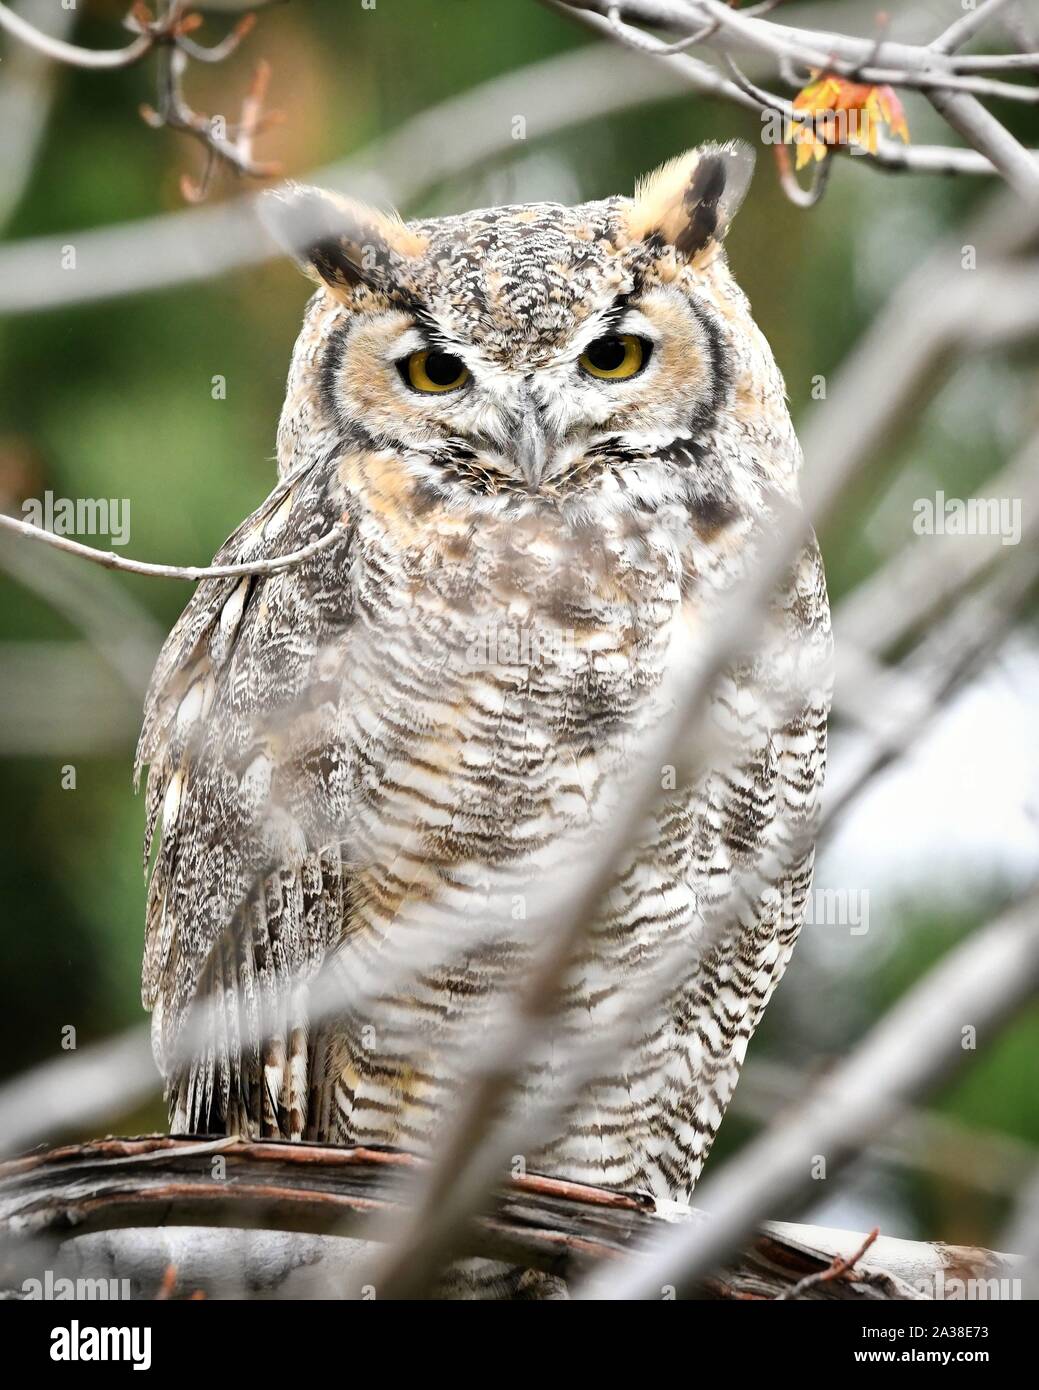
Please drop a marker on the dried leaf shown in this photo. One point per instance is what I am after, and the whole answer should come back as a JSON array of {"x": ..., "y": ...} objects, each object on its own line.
[{"x": 845, "y": 113}]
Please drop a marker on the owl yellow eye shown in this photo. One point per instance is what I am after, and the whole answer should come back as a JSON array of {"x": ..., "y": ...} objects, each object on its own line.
[
  {"x": 614, "y": 357},
  {"x": 434, "y": 371}
]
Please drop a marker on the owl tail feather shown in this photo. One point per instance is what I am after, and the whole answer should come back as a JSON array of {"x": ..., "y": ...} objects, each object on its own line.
[{"x": 249, "y": 1072}]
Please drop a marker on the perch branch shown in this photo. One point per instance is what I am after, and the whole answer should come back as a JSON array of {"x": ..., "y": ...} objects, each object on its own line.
[{"x": 543, "y": 1223}]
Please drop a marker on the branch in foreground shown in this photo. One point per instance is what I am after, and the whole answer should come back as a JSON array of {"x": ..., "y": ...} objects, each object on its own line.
[
  {"x": 560, "y": 1227},
  {"x": 109, "y": 560},
  {"x": 476, "y": 1145},
  {"x": 75, "y": 1090},
  {"x": 26, "y": 97},
  {"x": 920, "y": 1040},
  {"x": 926, "y": 1141}
]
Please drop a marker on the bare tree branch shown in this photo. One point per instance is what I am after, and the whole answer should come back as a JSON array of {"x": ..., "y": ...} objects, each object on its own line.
[
  {"x": 167, "y": 34},
  {"x": 973, "y": 632},
  {"x": 26, "y": 95},
  {"x": 61, "y": 52},
  {"x": 848, "y": 55},
  {"x": 962, "y": 30},
  {"x": 924, "y": 1141},
  {"x": 929, "y": 69},
  {"x": 542, "y": 1223},
  {"x": 109, "y": 560},
  {"x": 929, "y": 320},
  {"x": 451, "y": 139},
  {"x": 923, "y": 579}
]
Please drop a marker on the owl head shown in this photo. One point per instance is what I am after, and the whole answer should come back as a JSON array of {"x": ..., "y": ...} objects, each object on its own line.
[{"x": 538, "y": 355}]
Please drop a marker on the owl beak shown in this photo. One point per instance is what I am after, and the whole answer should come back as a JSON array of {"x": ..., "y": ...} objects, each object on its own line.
[{"x": 531, "y": 443}]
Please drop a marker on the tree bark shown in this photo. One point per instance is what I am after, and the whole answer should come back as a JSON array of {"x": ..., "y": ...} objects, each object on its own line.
[{"x": 225, "y": 1218}]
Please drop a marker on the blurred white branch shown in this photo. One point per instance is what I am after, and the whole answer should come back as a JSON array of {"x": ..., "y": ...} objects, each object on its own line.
[
  {"x": 973, "y": 991},
  {"x": 939, "y": 311},
  {"x": 59, "y": 51},
  {"x": 924, "y": 578},
  {"x": 75, "y": 1091},
  {"x": 26, "y": 97},
  {"x": 922, "y": 1141}
]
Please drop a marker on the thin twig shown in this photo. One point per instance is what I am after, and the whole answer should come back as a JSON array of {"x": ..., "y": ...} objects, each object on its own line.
[
  {"x": 802, "y": 197},
  {"x": 69, "y": 53},
  {"x": 168, "y": 33},
  {"x": 644, "y": 43},
  {"x": 964, "y": 28},
  {"x": 109, "y": 560},
  {"x": 840, "y": 1266}
]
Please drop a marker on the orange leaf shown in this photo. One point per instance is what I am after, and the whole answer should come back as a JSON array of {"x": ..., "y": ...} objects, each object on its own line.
[{"x": 845, "y": 113}]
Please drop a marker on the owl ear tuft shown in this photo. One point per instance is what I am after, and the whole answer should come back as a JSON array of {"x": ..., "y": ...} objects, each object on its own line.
[
  {"x": 690, "y": 201},
  {"x": 337, "y": 241}
]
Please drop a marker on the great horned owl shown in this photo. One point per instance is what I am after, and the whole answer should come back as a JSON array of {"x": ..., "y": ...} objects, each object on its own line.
[{"x": 551, "y": 436}]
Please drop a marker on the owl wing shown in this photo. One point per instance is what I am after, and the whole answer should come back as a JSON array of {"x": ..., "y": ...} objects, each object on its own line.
[{"x": 246, "y": 889}]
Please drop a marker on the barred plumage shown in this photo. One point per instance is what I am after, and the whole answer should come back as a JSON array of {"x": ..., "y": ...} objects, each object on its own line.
[{"x": 436, "y": 714}]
